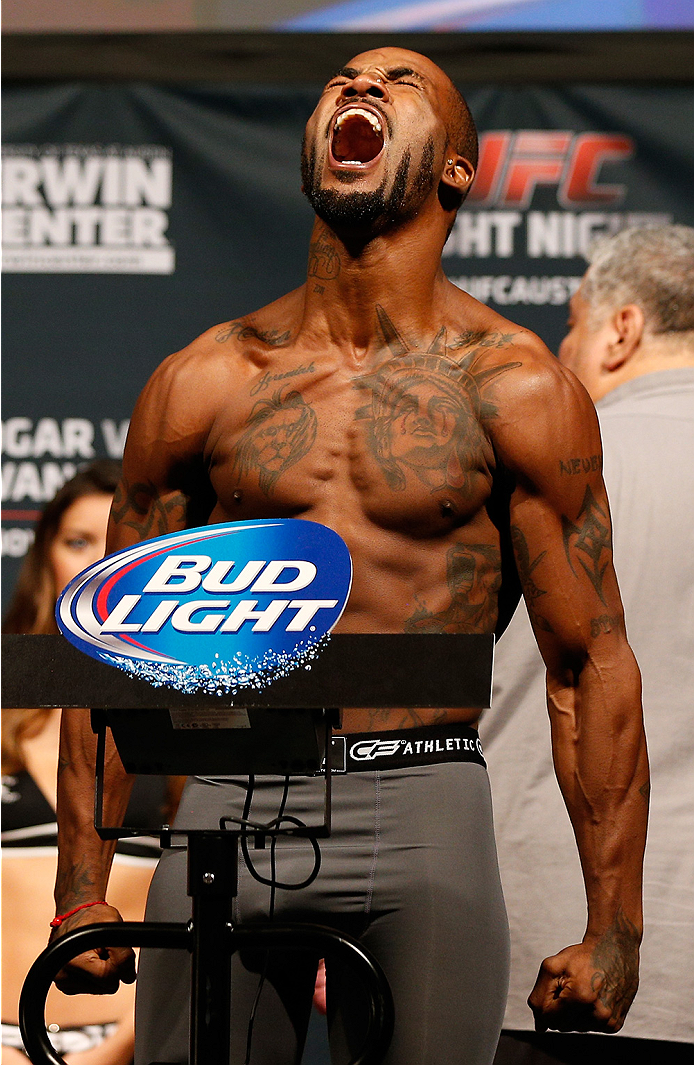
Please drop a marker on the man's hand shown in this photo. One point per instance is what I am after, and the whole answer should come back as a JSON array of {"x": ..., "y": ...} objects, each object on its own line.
[
  {"x": 588, "y": 987},
  {"x": 96, "y": 972}
]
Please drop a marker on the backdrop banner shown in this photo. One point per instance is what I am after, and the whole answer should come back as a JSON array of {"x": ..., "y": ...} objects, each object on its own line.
[{"x": 136, "y": 216}]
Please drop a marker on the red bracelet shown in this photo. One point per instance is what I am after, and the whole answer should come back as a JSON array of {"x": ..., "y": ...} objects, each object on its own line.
[{"x": 57, "y": 921}]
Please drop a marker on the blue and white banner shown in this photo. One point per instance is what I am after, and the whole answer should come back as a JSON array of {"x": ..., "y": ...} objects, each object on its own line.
[{"x": 212, "y": 609}]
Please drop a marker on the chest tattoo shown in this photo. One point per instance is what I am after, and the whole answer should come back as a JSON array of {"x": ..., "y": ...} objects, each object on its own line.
[
  {"x": 279, "y": 432},
  {"x": 424, "y": 412}
]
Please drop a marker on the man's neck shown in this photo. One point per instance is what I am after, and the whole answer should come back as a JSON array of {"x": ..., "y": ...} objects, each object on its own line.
[
  {"x": 656, "y": 357},
  {"x": 399, "y": 271}
]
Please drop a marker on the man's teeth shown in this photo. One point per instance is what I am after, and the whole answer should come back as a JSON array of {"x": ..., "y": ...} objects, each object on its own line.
[{"x": 352, "y": 111}]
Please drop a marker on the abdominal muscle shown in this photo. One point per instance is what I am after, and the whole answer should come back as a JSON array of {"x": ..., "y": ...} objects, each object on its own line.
[{"x": 27, "y": 905}]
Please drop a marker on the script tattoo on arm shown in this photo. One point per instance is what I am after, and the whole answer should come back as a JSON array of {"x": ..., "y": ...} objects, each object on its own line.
[
  {"x": 139, "y": 506},
  {"x": 572, "y": 466},
  {"x": 616, "y": 959},
  {"x": 280, "y": 431},
  {"x": 244, "y": 331},
  {"x": 473, "y": 576},
  {"x": 531, "y": 590},
  {"x": 589, "y": 542}
]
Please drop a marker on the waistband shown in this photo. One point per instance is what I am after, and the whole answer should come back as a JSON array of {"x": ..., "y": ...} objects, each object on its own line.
[{"x": 360, "y": 752}]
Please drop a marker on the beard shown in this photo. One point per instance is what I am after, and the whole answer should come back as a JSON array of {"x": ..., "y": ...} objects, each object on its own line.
[{"x": 372, "y": 211}]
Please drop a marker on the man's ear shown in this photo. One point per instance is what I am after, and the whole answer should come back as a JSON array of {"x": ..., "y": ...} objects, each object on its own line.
[
  {"x": 458, "y": 172},
  {"x": 627, "y": 325}
]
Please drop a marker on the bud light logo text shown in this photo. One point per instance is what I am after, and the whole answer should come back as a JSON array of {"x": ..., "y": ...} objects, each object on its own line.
[{"x": 214, "y": 609}]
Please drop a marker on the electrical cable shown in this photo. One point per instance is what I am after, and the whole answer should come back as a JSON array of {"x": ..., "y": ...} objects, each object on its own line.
[
  {"x": 271, "y": 914},
  {"x": 272, "y": 828}
]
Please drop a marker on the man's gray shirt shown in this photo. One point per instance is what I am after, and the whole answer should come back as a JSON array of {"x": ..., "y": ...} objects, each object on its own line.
[{"x": 648, "y": 440}]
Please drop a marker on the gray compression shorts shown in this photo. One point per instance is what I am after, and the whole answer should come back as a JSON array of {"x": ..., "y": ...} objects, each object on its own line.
[{"x": 410, "y": 869}]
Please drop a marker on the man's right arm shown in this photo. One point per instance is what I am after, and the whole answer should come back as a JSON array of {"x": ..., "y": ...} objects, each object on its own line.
[
  {"x": 166, "y": 438},
  {"x": 84, "y": 860}
]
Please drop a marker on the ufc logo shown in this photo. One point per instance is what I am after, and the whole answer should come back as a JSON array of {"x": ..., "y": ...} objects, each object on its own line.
[{"x": 511, "y": 166}]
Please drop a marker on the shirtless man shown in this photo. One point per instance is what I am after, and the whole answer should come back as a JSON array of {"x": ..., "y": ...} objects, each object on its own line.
[{"x": 434, "y": 437}]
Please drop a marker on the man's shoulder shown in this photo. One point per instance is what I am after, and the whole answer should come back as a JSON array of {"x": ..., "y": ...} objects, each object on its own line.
[
  {"x": 479, "y": 337},
  {"x": 533, "y": 408},
  {"x": 266, "y": 329}
]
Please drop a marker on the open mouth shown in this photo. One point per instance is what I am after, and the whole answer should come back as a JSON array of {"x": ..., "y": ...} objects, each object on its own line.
[{"x": 357, "y": 137}]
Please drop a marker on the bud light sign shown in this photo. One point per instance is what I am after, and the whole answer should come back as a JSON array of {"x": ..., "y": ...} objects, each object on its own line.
[{"x": 212, "y": 609}]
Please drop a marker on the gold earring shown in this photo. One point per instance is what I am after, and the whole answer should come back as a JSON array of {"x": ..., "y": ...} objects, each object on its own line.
[{"x": 449, "y": 161}]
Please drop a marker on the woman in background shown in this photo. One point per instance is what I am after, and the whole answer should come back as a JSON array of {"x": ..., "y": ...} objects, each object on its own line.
[{"x": 85, "y": 1029}]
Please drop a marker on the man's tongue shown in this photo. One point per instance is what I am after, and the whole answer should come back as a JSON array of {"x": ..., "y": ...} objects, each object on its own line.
[{"x": 356, "y": 141}]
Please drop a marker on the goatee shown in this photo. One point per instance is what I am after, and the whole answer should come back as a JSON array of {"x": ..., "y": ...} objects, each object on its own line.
[{"x": 373, "y": 211}]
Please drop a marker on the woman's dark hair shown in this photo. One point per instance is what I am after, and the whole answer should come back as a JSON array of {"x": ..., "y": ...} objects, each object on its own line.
[{"x": 32, "y": 605}]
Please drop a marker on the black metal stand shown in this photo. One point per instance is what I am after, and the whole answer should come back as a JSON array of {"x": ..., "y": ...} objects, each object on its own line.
[
  {"x": 209, "y": 1037},
  {"x": 458, "y": 673}
]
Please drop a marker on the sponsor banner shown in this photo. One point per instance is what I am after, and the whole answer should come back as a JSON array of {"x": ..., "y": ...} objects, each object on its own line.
[
  {"x": 140, "y": 215},
  {"x": 79, "y": 208},
  {"x": 217, "y": 608}
]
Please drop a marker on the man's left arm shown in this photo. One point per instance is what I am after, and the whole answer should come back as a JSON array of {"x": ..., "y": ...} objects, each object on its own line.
[{"x": 560, "y": 525}]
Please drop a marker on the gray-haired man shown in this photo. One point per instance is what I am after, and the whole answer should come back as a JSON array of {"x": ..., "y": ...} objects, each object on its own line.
[{"x": 631, "y": 343}]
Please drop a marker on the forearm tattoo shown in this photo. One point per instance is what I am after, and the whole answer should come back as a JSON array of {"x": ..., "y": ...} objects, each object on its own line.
[
  {"x": 74, "y": 884},
  {"x": 616, "y": 960}
]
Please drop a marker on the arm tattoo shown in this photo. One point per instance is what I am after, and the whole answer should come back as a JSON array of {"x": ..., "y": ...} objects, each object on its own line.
[
  {"x": 589, "y": 541},
  {"x": 531, "y": 590},
  {"x": 588, "y": 464},
  {"x": 616, "y": 959},
  {"x": 140, "y": 507},
  {"x": 244, "y": 331},
  {"x": 473, "y": 575},
  {"x": 606, "y": 624},
  {"x": 280, "y": 431},
  {"x": 74, "y": 885}
]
